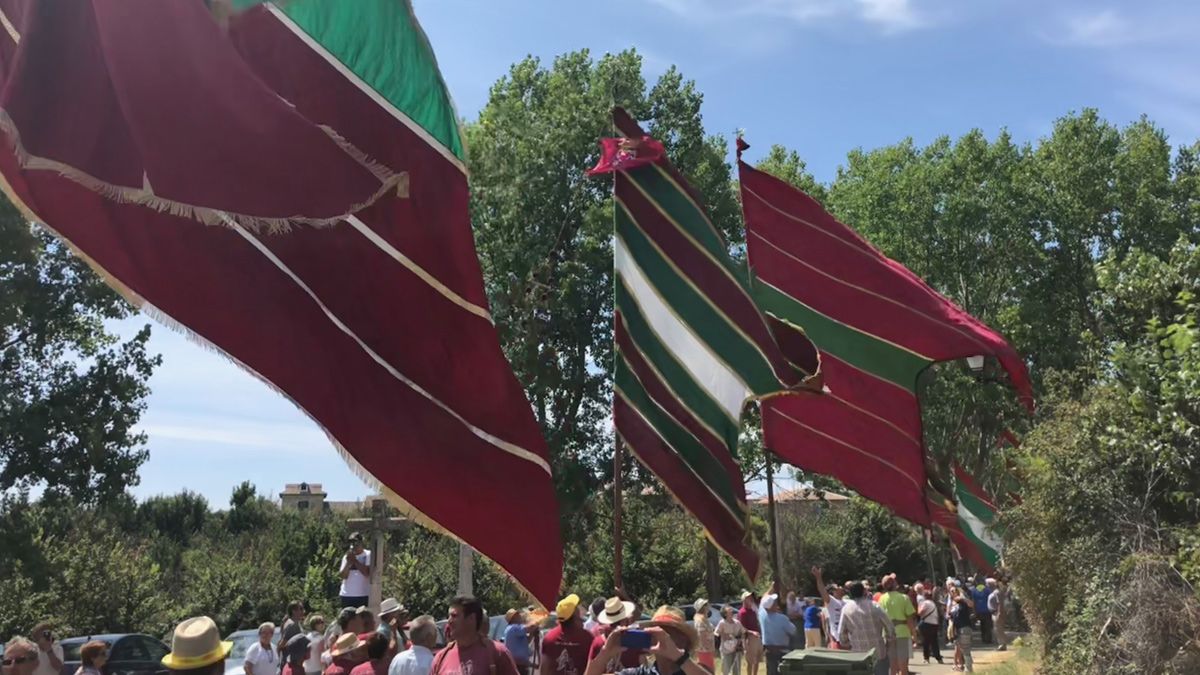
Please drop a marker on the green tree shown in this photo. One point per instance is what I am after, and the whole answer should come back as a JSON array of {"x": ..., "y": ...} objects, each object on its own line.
[
  {"x": 543, "y": 230},
  {"x": 71, "y": 392}
]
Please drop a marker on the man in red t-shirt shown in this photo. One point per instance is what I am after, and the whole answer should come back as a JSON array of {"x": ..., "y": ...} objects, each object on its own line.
[
  {"x": 614, "y": 615},
  {"x": 748, "y": 617},
  {"x": 472, "y": 652},
  {"x": 565, "y": 647}
]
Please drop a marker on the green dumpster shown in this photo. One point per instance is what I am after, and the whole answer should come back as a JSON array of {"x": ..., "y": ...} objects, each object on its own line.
[{"x": 807, "y": 661}]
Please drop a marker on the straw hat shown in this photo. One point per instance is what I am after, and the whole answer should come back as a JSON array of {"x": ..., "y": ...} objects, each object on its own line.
[
  {"x": 616, "y": 611},
  {"x": 346, "y": 643},
  {"x": 700, "y": 605},
  {"x": 390, "y": 606},
  {"x": 673, "y": 618},
  {"x": 196, "y": 643}
]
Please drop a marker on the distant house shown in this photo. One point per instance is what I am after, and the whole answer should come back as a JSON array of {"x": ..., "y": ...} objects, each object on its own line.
[
  {"x": 803, "y": 499},
  {"x": 310, "y": 497},
  {"x": 302, "y": 497}
]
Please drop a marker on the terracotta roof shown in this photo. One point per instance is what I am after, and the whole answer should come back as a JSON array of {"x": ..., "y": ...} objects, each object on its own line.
[{"x": 803, "y": 495}]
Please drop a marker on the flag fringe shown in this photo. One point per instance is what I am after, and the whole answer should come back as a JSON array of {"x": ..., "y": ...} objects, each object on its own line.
[{"x": 390, "y": 182}]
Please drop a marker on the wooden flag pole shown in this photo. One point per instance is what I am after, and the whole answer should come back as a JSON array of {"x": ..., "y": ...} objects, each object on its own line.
[
  {"x": 618, "y": 499},
  {"x": 776, "y": 560}
]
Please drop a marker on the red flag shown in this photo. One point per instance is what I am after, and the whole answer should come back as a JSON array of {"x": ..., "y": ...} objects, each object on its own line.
[
  {"x": 877, "y": 326},
  {"x": 305, "y": 212}
]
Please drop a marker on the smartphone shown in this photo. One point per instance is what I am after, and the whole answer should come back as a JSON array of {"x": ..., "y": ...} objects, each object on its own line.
[{"x": 635, "y": 639}]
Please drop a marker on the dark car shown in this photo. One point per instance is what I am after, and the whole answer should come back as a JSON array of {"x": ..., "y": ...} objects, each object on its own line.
[{"x": 128, "y": 654}]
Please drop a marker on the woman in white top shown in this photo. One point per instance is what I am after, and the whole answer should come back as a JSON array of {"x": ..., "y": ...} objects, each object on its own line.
[
  {"x": 261, "y": 658},
  {"x": 729, "y": 637},
  {"x": 316, "y": 645},
  {"x": 704, "y": 652},
  {"x": 92, "y": 657}
]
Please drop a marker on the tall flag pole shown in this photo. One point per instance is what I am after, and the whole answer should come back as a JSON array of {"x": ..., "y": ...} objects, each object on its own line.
[
  {"x": 877, "y": 326},
  {"x": 287, "y": 185},
  {"x": 692, "y": 347}
]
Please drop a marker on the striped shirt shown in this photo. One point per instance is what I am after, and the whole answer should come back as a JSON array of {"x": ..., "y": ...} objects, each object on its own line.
[{"x": 864, "y": 627}]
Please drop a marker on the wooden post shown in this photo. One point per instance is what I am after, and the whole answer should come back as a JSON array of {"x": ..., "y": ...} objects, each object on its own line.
[
  {"x": 377, "y": 527},
  {"x": 712, "y": 569},
  {"x": 618, "y": 499},
  {"x": 776, "y": 561},
  {"x": 466, "y": 570}
]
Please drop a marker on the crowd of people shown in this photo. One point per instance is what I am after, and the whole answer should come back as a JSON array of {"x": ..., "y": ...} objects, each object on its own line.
[{"x": 609, "y": 636}]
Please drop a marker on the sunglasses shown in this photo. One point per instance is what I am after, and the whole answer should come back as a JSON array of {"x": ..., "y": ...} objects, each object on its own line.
[{"x": 18, "y": 660}]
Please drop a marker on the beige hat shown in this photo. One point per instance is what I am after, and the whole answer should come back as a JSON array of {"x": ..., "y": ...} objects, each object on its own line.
[
  {"x": 391, "y": 606},
  {"x": 196, "y": 643},
  {"x": 615, "y": 611},
  {"x": 346, "y": 643}
]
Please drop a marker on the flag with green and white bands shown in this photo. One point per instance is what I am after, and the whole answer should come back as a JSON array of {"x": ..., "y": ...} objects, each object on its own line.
[{"x": 977, "y": 516}]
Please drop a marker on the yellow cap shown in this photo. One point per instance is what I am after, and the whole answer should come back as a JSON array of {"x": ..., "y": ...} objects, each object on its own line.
[{"x": 566, "y": 607}]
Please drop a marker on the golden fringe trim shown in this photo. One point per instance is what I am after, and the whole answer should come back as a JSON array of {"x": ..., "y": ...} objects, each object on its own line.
[
  {"x": 390, "y": 182},
  {"x": 396, "y": 501}
]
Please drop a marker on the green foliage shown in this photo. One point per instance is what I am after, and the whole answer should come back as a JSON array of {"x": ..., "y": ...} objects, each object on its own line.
[
  {"x": 848, "y": 540},
  {"x": 71, "y": 393},
  {"x": 1127, "y": 529}
]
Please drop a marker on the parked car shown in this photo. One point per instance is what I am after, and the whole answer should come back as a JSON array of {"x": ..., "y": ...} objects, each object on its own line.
[
  {"x": 242, "y": 639},
  {"x": 128, "y": 654}
]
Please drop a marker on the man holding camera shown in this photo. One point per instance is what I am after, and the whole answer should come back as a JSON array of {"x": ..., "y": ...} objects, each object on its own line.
[
  {"x": 356, "y": 574},
  {"x": 50, "y": 653}
]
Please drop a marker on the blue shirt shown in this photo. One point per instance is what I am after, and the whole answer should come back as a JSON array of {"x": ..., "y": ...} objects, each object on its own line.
[
  {"x": 980, "y": 599},
  {"x": 776, "y": 629},
  {"x": 812, "y": 617},
  {"x": 516, "y": 640}
]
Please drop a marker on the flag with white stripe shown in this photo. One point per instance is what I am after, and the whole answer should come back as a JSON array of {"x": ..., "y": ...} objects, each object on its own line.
[
  {"x": 288, "y": 186},
  {"x": 692, "y": 347}
]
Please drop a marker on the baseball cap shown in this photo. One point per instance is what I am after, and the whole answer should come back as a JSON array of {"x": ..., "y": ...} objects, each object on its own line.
[{"x": 566, "y": 607}]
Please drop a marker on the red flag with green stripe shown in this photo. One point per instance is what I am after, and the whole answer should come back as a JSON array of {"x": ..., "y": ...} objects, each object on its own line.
[
  {"x": 877, "y": 326},
  {"x": 290, "y": 189},
  {"x": 692, "y": 347}
]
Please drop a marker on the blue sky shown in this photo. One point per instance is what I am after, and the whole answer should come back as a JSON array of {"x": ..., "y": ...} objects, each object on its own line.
[{"x": 820, "y": 76}]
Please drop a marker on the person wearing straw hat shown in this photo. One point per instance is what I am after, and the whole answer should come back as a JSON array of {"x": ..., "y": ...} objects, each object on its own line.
[
  {"x": 197, "y": 648},
  {"x": 565, "y": 647},
  {"x": 616, "y": 613},
  {"x": 673, "y": 640},
  {"x": 704, "y": 628},
  {"x": 347, "y": 652},
  {"x": 391, "y": 623},
  {"x": 748, "y": 617}
]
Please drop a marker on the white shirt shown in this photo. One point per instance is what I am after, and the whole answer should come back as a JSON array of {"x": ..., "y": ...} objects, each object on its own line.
[
  {"x": 415, "y": 661},
  {"x": 43, "y": 665},
  {"x": 833, "y": 610},
  {"x": 261, "y": 660},
  {"x": 316, "y": 645},
  {"x": 927, "y": 611},
  {"x": 356, "y": 584}
]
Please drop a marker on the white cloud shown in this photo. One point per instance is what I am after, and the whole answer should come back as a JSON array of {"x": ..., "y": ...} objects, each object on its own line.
[
  {"x": 167, "y": 429},
  {"x": 888, "y": 15},
  {"x": 1109, "y": 28}
]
